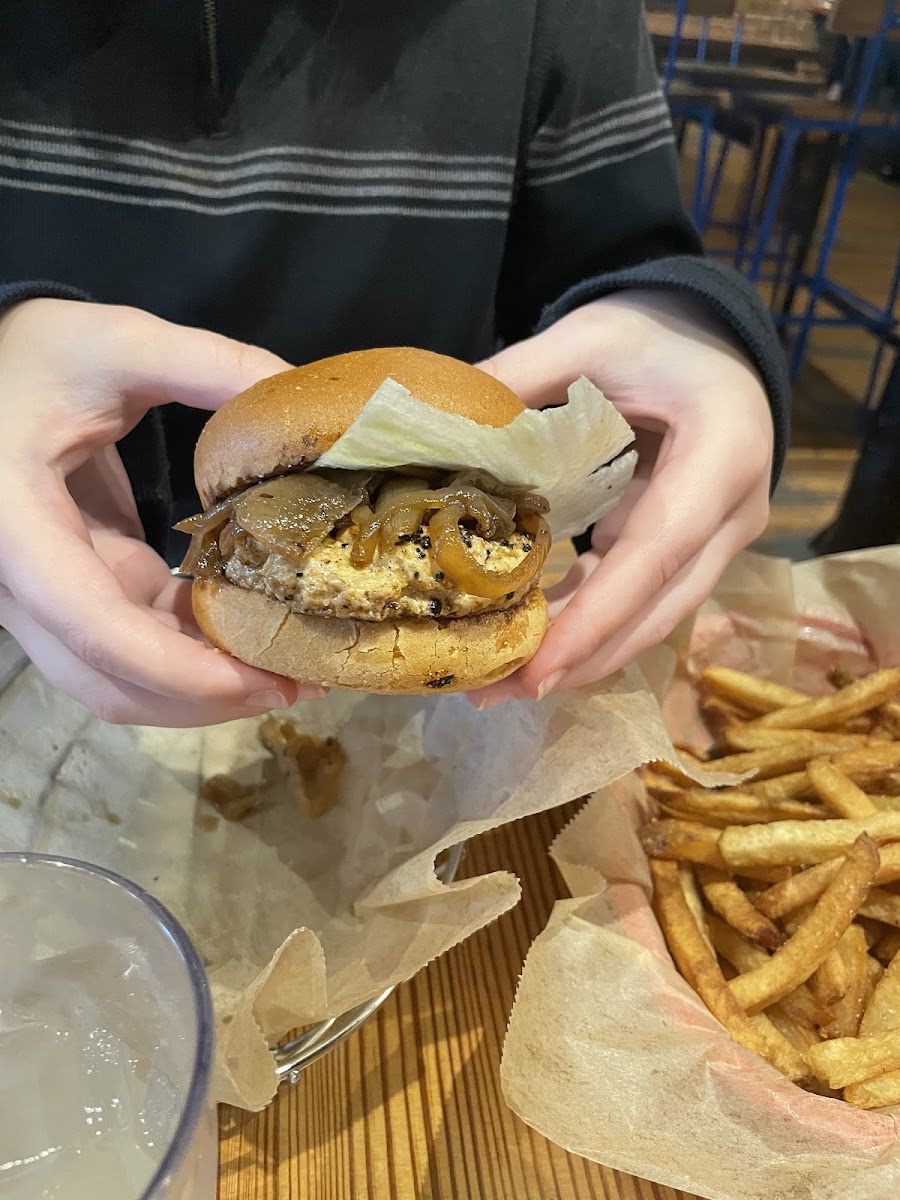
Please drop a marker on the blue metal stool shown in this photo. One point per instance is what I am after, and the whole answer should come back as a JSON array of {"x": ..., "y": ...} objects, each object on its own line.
[
  {"x": 846, "y": 127},
  {"x": 695, "y": 105}
]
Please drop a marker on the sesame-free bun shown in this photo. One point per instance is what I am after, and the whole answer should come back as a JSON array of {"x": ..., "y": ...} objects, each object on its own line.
[
  {"x": 422, "y": 657},
  {"x": 288, "y": 420}
]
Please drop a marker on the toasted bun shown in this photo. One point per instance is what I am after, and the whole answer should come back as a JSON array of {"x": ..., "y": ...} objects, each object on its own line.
[
  {"x": 388, "y": 657},
  {"x": 288, "y": 420}
]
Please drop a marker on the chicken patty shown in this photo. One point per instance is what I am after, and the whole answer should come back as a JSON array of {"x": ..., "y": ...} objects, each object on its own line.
[{"x": 404, "y": 581}]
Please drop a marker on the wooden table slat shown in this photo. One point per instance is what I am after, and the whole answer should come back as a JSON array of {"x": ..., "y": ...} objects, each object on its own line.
[{"x": 410, "y": 1108}]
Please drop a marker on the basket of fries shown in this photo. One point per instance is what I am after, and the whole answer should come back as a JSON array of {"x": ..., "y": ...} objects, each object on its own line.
[
  {"x": 777, "y": 898},
  {"x": 725, "y": 981}
]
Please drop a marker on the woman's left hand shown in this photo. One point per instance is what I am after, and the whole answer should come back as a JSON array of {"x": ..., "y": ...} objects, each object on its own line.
[{"x": 700, "y": 493}]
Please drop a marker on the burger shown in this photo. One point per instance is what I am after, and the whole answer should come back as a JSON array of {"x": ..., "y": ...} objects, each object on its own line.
[{"x": 409, "y": 580}]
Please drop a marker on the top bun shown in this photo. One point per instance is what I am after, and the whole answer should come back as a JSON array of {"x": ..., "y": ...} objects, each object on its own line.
[{"x": 288, "y": 420}]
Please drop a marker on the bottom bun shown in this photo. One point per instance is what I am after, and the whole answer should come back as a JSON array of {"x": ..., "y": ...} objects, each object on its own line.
[{"x": 404, "y": 657}]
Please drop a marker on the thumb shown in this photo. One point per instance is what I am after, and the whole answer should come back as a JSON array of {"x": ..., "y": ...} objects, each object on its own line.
[
  {"x": 541, "y": 368},
  {"x": 163, "y": 363}
]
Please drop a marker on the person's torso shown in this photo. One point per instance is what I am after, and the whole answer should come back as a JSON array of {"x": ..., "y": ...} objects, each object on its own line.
[{"x": 312, "y": 176}]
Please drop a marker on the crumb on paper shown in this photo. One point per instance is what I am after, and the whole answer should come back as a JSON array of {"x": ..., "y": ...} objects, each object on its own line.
[
  {"x": 13, "y": 801},
  {"x": 232, "y": 800},
  {"x": 312, "y": 766},
  {"x": 112, "y": 817},
  {"x": 207, "y": 822}
]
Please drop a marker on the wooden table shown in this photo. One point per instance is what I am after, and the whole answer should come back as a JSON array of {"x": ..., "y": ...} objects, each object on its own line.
[{"x": 410, "y": 1107}]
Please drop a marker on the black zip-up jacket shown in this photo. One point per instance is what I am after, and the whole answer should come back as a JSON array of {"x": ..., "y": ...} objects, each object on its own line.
[{"x": 315, "y": 176}]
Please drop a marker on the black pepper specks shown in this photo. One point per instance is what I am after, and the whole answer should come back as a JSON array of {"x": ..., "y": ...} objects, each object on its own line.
[
  {"x": 419, "y": 539},
  {"x": 439, "y": 574},
  {"x": 444, "y": 681},
  {"x": 435, "y": 606},
  {"x": 527, "y": 547},
  {"x": 509, "y": 595}
]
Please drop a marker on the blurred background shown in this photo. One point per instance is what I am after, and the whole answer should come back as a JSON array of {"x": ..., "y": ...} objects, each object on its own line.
[{"x": 787, "y": 114}]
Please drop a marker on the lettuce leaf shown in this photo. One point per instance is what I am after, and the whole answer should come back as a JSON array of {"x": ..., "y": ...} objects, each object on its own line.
[{"x": 572, "y": 455}]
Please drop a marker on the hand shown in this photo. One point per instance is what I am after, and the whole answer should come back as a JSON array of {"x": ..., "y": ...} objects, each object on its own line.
[
  {"x": 98, "y": 612},
  {"x": 700, "y": 494}
]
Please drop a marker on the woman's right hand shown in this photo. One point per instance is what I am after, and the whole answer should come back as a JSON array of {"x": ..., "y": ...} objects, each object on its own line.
[{"x": 95, "y": 608}]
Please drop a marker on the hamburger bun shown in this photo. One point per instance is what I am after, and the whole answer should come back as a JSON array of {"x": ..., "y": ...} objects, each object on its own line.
[
  {"x": 288, "y": 420},
  {"x": 402, "y": 658}
]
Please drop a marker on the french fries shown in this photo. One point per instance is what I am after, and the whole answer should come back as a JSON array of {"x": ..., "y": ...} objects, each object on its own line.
[
  {"x": 739, "y": 736},
  {"x": 830, "y": 980},
  {"x": 795, "y": 843},
  {"x": 875, "y": 973},
  {"x": 843, "y": 1061},
  {"x": 875, "y": 765},
  {"x": 807, "y": 886},
  {"x": 756, "y": 695},
  {"x": 880, "y": 1092},
  {"x": 889, "y": 717},
  {"x": 804, "y": 971},
  {"x": 802, "y": 953},
  {"x": 694, "y": 901},
  {"x": 740, "y": 808},
  {"x": 887, "y": 947},
  {"x": 883, "y": 1012},
  {"x": 682, "y": 841},
  {"x": 777, "y": 759},
  {"x": 838, "y": 791},
  {"x": 727, "y": 899},
  {"x": 858, "y": 697},
  {"x": 698, "y": 964},
  {"x": 882, "y": 906},
  {"x": 847, "y": 1012}
]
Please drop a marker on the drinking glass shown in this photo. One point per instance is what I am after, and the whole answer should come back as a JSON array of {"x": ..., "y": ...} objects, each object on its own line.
[{"x": 106, "y": 1038}]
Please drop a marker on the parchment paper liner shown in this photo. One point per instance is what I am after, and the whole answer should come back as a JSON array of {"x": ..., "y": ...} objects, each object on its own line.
[
  {"x": 298, "y": 919},
  {"x": 609, "y": 1053}
]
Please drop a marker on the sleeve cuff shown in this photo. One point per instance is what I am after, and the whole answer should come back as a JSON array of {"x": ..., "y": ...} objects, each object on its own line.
[
  {"x": 729, "y": 295},
  {"x": 13, "y": 293}
]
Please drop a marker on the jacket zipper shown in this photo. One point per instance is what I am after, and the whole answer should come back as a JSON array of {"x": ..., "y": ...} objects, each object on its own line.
[{"x": 211, "y": 26}]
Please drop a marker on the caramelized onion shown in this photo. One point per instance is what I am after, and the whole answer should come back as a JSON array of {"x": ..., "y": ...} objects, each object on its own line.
[
  {"x": 402, "y": 522},
  {"x": 493, "y": 515},
  {"x": 522, "y": 497},
  {"x": 203, "y": 557},
  {"x": 399, "y": 509},
  {"x": 467, "y": 574},
  {"x": 403, "y": 503},
  {"x": 294, "y": 514},
  {"x": 366, "y": 542}
]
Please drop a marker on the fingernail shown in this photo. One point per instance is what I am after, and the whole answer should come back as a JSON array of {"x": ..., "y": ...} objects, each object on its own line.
[
  {"x": 266, "y": 700},
  {"x": 549, "y": 684}
]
